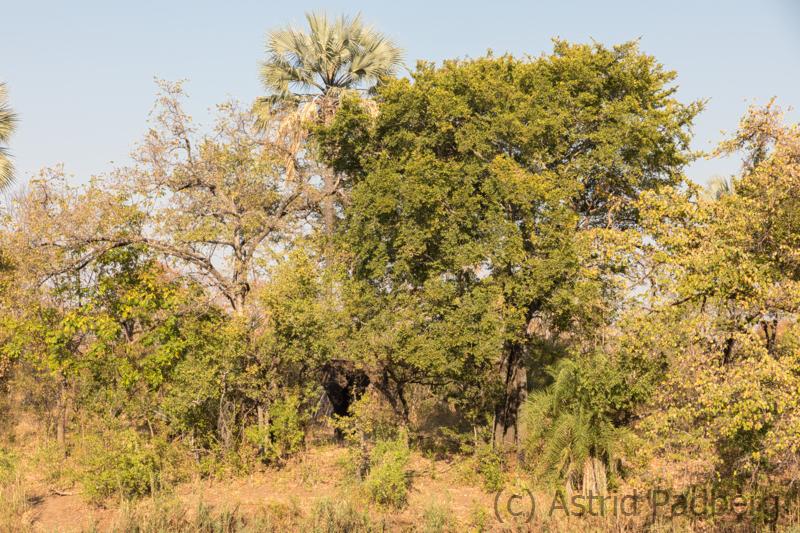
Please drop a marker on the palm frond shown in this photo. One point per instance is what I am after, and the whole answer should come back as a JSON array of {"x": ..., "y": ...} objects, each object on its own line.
[
  {"x": 335, "y": 54},
  {"x": 557, "y": 452},
  {"x": 265, "y": 108},
  {"x": 718, "y": 187},
  {"x": 6, "y": 169},
  {"x": 571, "y": 434},
  {"x": 8, "y": 127}
]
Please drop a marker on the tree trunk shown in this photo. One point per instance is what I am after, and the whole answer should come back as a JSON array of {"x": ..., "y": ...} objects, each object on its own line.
[
  {"x": 263, "y": 426},
  {"x": 61, "y": 410},
  {"x": 362, "y": 468},
  {"x": 394, "y": 391},
  {"x": 224, "y": 422},
  {"x": 513, "y": 372},
  {"x": 327, "y": 205},
  {"x": 237, "y": 302}
]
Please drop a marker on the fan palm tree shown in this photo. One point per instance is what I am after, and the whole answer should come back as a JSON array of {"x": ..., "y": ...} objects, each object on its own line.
[
  {"x": 310, "y": 72},
  {"x": 718, "y": 187},
  {"x": 8, "y": 126}
]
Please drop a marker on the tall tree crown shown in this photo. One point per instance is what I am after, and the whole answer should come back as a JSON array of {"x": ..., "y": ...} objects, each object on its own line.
[
  {"x": 718, "y": 187},
  {"x": 337, "y": 56}
]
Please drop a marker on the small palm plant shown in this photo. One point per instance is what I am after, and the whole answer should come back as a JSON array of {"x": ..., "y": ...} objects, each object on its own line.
[
  {"x": 571, "y": 433},
  {"x": 8, "y": 126}
]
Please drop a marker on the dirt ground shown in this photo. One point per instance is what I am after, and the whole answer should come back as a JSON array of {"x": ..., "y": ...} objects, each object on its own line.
[{"x": 313, "y": 476}]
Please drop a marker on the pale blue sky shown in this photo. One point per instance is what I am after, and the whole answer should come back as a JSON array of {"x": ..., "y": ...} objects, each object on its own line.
[{"x": 81, "y": 72}]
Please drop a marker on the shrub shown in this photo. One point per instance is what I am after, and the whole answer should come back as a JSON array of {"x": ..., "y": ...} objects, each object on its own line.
[
  {"x": 575, "y": 436},
  {"x": 286, "y": 432},
  {"x": 479, "y": 517},
  {"x": 490, "y": 466},
  {"x": 387, "y": 483},
  {"x": 54, "y": 461},
  {"x": 121, "y": 463},
  {"x": 348, "y": 463},
  {"x": 9, "y": 461},
  {"x": 438, "y": 518}
]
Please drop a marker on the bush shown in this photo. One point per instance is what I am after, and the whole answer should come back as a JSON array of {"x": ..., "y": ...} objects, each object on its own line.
[
  {"x": 438, "y": 518},
  {"x": 490, "y": 465},
  {"x": 348, "y": 463},
  {"x": 121, "y": 463},
  {"x": 286, "y": 433},
  {"x": 9, "y": 462},
  {"x": 387, "y": 483},
  {"x": 55, "y": 462}
]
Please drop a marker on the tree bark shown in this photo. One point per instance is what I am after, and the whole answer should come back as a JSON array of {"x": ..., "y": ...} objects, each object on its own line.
[
  {"x": 61, "y": 409},
  {"x": 263, "y": 425},
  {"x": 514, "y": 373},
  {"x": 327, "y": 205},
  {"x": 224, "y": 422}
]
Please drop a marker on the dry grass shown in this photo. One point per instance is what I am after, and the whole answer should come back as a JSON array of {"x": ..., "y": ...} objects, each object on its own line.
[
  {"x": 309, "y": 494},
  {"x": 291, "y": 500}
]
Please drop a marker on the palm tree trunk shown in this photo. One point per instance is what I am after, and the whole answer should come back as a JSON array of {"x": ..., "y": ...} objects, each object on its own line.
[{"x": 327, "y": 204}]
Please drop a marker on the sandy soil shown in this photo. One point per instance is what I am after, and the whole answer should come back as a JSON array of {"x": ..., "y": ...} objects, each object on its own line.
[{"x": 313, "y": 476}]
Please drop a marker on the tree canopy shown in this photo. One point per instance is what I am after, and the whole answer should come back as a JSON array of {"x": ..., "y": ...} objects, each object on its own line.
[{"x": 480, "y": 179}]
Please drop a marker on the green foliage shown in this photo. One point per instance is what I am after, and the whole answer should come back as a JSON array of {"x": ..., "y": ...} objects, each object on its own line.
[
  {"x": 725, "y": 278},
  {"x": 466, "y": 193},
  {"x": 123, "y": 464},
  {"x": 59, "y": 470},
  {"x": 286, "y": 432},
  {"x": 490, "y": 462},
  {"x": 349, "y": 463},
  {"x": 9, "y": 464},
  {"x": 479, "y": 517},
  {"x": 366, "y": 420},
  {"x": 574, "y": 426},
  {"x": 341, "y": 515},
  {"x": 510, "y": 225},
  {"x": 437, "y": 517},
  {"x": 194, "y": 396},
  {"x": 387, "y": 483}
]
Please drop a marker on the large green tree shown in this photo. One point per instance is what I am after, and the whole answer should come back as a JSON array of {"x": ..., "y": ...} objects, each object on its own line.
[
  {"x": 311, "y": 71},
  {"x": 476, "y": 191},
  {"x": 8, "y": 126}
]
